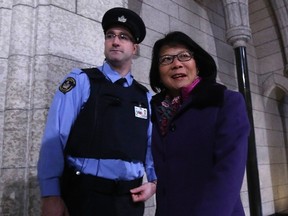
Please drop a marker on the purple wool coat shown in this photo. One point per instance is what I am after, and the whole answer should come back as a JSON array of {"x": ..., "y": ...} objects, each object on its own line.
[{"x": 200, "y": 162}]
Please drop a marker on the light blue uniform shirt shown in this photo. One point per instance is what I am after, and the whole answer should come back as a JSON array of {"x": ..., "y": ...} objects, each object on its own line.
[{"x": 62, "y": 114}]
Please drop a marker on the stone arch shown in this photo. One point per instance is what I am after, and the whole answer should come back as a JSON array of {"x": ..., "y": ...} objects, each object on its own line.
[
  {"x": 280, "y": 9},
  {"x": 273, "y": 81},
  {"x": 275, "y": 143}
]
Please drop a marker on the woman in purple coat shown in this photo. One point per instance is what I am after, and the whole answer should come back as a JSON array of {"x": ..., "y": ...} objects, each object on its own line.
[{"x": 200, "y": 133}]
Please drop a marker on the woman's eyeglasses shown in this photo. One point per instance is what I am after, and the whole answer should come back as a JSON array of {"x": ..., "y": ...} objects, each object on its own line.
[{"x": 182, "y": 57}]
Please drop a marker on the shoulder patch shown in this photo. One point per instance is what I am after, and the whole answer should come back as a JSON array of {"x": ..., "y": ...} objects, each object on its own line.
[{"x": 67, "y": 85}]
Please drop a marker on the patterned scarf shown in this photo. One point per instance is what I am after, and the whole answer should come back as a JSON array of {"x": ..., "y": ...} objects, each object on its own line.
[
  {"x": 169, "y": 106},
  {"x": 167, "y": 109}
]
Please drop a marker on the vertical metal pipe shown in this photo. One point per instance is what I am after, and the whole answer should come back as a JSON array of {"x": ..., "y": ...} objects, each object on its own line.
[{"x": 252, "y": 165}]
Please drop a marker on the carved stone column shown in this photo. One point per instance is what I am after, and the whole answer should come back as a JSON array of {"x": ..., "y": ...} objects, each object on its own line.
[
  {"x": 237, "y": 22},
  {"x": 238, "y": 33}
]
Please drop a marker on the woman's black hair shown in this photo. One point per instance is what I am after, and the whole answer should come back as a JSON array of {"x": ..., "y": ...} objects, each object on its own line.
[{"x": 204, "y": 61}]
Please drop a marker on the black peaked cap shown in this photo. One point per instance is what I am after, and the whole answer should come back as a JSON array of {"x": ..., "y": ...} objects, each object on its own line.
[{"x": 127, "y": 18}]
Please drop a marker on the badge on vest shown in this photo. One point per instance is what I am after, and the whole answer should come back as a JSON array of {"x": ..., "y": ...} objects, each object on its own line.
[
  {"x": 140, "y": 112},
  {"x": 67, "y": 85}
]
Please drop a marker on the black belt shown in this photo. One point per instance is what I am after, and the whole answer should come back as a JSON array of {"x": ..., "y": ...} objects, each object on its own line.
[{"x": 98, "y": 184}]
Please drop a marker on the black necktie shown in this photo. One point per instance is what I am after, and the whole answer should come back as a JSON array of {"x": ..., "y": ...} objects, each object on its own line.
[{"x": 121, "y": 81}]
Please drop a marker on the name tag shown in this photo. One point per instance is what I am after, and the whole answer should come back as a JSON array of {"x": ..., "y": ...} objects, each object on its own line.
[{"x": 140, "y": 112}]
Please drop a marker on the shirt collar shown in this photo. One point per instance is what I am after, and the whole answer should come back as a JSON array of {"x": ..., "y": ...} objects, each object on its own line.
[{"x": 113, "y": 75}]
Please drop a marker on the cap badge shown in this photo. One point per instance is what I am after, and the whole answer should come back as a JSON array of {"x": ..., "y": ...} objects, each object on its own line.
[{"x": 122, "y": 19}]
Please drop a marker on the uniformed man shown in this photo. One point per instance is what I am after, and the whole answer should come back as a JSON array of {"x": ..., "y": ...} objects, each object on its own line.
[{"x": 96, "y": 145}]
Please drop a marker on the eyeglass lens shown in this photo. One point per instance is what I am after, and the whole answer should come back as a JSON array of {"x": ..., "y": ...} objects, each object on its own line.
[{"x": 182, "y": 57}]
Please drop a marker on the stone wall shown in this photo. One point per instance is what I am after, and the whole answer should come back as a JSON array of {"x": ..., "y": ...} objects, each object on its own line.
[
  {"x": 42, "y": 40},
  {"x": 267, "y": 65}
]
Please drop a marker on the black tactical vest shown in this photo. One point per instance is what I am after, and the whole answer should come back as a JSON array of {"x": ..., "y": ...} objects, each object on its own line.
[{"x": 107, "y": 126}]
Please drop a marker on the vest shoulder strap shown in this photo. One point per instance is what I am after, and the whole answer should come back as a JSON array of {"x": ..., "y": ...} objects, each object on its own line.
[
  {"x": 93, "y": 73},
  {"x": 142, "y": 87}
]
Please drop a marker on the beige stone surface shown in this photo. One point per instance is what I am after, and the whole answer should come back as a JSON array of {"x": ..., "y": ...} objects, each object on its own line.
[{"x": 41, "y": 41}]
